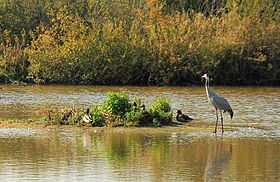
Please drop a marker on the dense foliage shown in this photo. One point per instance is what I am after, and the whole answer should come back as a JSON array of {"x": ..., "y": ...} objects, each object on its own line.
[
  {"x": 117, "y": 110},
  {"x": 161, "y": 111},
  {"x": 144, "y": 42}
]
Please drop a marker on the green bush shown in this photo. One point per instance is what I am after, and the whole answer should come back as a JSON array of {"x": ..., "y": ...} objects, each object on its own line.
[
  {"x": 133, "y": 118},
  {"x": 97, "y": 116},
  {"x": 117, "y": 104},
  {"x": 161, "y": 111},
  {"x": 160, "y": 104},
  {"x": 116, "y": 110}
]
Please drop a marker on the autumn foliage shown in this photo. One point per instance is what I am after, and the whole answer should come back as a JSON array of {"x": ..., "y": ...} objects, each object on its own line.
[{"x": 151, "y": 42}]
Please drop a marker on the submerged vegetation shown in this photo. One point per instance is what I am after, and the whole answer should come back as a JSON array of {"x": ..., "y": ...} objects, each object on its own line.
[
  {"x": 145, "y": 42},
  {"x": 117, "y": 110}
]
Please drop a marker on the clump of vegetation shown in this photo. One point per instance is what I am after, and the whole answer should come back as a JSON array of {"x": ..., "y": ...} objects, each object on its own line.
[
  {"x": 160, "y": 105},
  {"x": 133, "y": 118},
  {"x": 138, "y": 116},
  {"x": 65, "y": 116},
  {"x": 117, "y": 104},
  {"x": 97, "y": 117},
  {"x": 161, "y": 111},
  {"x": 117, "y": 110},
  {"x": 113, "y": 111}
]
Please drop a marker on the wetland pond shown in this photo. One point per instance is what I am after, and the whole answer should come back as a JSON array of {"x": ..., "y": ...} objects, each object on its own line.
[{"x": 249, "y": 150}]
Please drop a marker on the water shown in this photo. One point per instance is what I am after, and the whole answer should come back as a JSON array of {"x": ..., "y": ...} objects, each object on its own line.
[{"x": 248, "y": 151}]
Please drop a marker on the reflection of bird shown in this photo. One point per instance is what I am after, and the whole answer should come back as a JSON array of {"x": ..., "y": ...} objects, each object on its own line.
[
  {"x": 219, "y": 155},
  {"x": 87, "y": 118},
  {"x": 218, "y": 102},
  {"x": 182, "y": 117}
]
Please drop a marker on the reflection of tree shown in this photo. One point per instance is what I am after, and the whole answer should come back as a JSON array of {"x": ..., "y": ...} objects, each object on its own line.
[
  {"x": 133, "y": 153},
  {"x": 160, "y": 156},
  {"x": 38, "y": 152},
  {"x": 256, "y": 160},
  {"x": 164, "y": 159},
  {"x": 117, "y": 148}
]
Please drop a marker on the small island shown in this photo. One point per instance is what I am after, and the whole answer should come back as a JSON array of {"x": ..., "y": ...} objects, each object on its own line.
[{"x": 117, "y": 110}]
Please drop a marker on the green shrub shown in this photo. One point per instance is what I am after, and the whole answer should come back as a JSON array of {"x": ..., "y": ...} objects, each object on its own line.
[
  {"x": 117, "y": 104},
  {"x": 161, "y": 111},
  {"x": 133, "y": 118},
  {"x": 160, "y": 105},
  {"x": 97, "y": 116},
  {"x": 138, "y": 116}
]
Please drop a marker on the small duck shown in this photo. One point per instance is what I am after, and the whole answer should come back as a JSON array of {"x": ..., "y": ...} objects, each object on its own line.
[
  {"x": 182, "y": 117},
  {"x": 147, "y": 118},
  {"x": 87, "y": 118}
]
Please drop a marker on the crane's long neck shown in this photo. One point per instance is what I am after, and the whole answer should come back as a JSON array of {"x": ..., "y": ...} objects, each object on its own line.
[{"x": 207, "y": 87}]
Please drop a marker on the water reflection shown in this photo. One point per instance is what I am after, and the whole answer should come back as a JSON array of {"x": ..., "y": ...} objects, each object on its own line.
[{"x": 135, "y": 155}]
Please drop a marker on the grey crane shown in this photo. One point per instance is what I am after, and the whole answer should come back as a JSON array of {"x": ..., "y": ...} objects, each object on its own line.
[{"x": 219, "y": 103}]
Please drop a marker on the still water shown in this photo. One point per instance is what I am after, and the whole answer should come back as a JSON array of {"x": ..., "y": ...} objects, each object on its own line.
[{"x": 248, "y": 152}]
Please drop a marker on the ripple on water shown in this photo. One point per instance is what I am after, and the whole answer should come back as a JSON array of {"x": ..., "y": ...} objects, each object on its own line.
[
  {"x": 18, "y": 132},
  {"x": 238, "y": 133}
]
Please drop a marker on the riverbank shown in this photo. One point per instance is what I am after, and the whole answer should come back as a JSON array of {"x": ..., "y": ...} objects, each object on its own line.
[
  {"x": 195, "y": 126},
  {"x": 179, "y": 127}
]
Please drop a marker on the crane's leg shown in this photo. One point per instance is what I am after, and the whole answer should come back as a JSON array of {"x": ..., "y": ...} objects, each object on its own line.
[
  {"x": 222, "y": 121},
  {"x": 217, "y": 118}
]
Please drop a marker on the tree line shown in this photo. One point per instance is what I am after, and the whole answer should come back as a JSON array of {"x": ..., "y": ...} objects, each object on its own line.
[{"x": 140, "y": 42}]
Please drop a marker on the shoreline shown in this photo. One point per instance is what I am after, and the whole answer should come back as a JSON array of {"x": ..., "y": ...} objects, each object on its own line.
[
  {"x": 24, "y": 124},
  {"x": 191, "y": 126}
]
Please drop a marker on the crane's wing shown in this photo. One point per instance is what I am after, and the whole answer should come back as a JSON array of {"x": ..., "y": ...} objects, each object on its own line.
[{"x": 221, "y": 103}]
